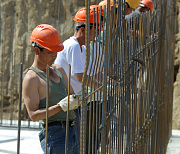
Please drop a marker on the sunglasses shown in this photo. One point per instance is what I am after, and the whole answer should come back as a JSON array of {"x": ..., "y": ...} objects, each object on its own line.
[
  {"x": 146, "y": 8},
  {"x": 34, "y": 44}
]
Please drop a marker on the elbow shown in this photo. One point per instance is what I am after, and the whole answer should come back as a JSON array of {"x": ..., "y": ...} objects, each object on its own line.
[
  {"x": 79, "y": 76},
  {"x": 33, "y": 118},
  {"x": 80, "y": 80}
]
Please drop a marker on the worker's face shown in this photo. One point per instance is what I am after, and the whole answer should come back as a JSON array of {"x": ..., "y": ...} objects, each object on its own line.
[
  {"x": 143, "y": 9},
  {"x": 92, "y": 30},
  {"x": 95, "y": 31},
  {"x": 46, "y": 57},
  {"x": 128, "y": 9},
  {"x": 82, "y": 35}
]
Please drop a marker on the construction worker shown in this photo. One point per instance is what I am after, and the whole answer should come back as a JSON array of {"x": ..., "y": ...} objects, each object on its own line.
[
  {"x": 74, "y": 53},
  {"x": 144, "y": 5},
  {"x": 127, "y": 8},
  {"x": 46, "y": 43}
]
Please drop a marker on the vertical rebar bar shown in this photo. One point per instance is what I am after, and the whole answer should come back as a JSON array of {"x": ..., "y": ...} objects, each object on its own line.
[
  {"x": 67, "y": 119},
  {"x": 47, "y": 107},
  {"x": 20, "y": 102}
]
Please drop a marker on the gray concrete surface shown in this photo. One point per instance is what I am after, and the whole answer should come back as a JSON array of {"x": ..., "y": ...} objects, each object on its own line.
[
  {"x": 29, "y": 143},
  {"x": 174, "y": 143}
]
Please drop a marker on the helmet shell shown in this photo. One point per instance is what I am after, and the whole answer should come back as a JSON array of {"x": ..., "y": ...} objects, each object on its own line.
[
  {"x": 81, "y": 14},
  {"x": 148, "y": 3},
  {"x": 48, "y": 37},
  {"x": 104, "y": 3}
]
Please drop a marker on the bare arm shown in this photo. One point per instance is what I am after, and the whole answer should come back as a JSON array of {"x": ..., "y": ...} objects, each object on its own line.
[
  {"x": 31, "y": 95},
  {"x": 79, "y": 76}
]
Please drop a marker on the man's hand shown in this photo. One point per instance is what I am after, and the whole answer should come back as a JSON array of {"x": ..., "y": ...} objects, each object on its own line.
[{"x": 74, "y": 102}]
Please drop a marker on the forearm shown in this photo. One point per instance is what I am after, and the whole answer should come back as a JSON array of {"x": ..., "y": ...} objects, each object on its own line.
[{"x": 40, "y": 114}]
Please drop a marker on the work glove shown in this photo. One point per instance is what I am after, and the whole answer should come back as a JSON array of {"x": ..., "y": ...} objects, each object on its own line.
[{"x": 74, "y": 102}]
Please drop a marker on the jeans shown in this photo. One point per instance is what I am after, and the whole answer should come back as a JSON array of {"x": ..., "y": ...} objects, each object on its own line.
[
  {"x": 57, "y": 140},
  {"x": 78, "y": 120}
]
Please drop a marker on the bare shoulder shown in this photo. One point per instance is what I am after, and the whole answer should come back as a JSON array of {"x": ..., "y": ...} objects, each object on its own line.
[
  {"x": 30, "y": 79},
  {"x": 30, "y": 75}
]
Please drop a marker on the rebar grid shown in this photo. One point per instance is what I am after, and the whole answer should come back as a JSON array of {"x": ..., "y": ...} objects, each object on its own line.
[
  {"x": 131, "y": 92},
  {"x": 132, "y": 112}
]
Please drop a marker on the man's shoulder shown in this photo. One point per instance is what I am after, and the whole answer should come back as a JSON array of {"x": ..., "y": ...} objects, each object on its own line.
[
  {"x": 133, "y": 14},
  {"x": 31, "y": 77},
  {"x": 71, "y": 43}
]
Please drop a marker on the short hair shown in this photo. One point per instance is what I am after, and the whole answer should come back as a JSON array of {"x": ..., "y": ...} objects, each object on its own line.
[{"x": 78, "y": 27}]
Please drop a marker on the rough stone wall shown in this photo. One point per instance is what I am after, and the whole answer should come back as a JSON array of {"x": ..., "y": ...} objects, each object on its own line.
[
  {"x": 20, "y": 17},
  {"x": 176, "y": 94},
  {"x": 17, "y": 20}
]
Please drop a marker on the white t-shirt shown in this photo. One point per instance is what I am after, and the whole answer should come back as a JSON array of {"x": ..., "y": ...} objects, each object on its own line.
[
  {"x": 96, "y": 57},
  {"x": 73, "y": 55}
]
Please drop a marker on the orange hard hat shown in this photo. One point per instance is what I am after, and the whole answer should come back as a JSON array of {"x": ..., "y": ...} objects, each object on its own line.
[
  {"x": 47, "y": 37},
  {"x": 148, "y": 3},
  {"x": 104, "y": 3},
  {"x": 81, "y": 14},
  {"x": 97, "y": 6}
]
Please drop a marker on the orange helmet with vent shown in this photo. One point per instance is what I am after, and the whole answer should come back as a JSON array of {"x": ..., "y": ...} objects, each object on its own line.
[
  {"x": 81, "y": 14},
  {"x": 104, "y": 3},
  {"x": 148, "y": 3},
  {"x": 47, "y": 37}
]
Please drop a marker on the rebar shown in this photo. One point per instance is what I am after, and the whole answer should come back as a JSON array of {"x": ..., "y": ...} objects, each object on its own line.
[
  {"x": 20, "y": 103},
  {"x": 47, "y": 107},
  {"x": 129, "y": 65}
]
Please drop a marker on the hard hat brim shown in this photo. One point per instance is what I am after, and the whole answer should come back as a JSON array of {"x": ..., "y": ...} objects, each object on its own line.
[{"x": 56, "y": 48}]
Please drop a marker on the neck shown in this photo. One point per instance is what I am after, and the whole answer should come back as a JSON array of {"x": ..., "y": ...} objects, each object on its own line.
[
  {"x": 79, "y": 39},
  {"x": 39, "y": 66}
]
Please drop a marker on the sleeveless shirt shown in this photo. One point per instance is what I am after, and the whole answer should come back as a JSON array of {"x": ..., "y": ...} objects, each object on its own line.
[{"x": 57, "y": 92}]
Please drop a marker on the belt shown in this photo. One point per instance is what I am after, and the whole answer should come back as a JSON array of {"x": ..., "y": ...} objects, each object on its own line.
[{"x": 59, "y": 123}]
